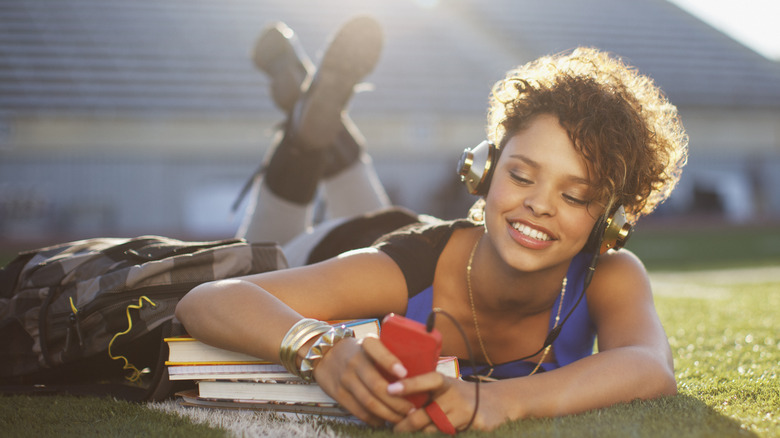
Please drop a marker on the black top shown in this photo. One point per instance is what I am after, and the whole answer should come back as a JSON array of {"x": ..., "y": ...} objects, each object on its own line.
[{"x": 417, "y": 247}]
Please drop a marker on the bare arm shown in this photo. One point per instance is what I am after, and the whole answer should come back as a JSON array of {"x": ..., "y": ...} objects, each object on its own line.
[
  {"x": 634, "y": 361},
  {"x": 252, "y": 314}
]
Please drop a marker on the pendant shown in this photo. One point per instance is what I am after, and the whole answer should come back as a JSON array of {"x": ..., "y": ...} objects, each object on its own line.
[{"x": 482, "y": 377}]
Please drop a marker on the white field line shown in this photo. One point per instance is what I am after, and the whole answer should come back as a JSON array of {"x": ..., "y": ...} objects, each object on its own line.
[{"x": 252, "y": 424}]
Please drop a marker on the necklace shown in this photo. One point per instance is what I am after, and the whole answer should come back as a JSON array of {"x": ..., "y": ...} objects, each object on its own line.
[{"x": 476, "y": 323}]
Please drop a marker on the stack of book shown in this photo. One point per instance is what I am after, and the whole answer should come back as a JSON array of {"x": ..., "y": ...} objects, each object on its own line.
[{"x": 227, "y": 379}]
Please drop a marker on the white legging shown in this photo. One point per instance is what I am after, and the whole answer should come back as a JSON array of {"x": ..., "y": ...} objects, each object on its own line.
[{"x": 354, "y": 191}]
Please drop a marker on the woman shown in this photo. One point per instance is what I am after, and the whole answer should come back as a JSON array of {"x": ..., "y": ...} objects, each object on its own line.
[{"x": 577, "y": 135}]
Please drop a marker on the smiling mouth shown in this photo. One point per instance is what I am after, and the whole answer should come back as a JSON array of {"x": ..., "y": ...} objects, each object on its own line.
[{"x": 530, "y": 232}]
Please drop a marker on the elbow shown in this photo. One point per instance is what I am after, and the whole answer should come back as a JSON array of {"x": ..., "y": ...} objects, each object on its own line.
[
  {"x": 661, "y": 374},
  {"x": 668, "y": 383},
  {"x": 181, "y": 310},
  {"x": 663, "y": 382},
  {"x": 190, "y": 304},
  {"x": 656, "y": 374},
  {"x": 204, "y": 307}
]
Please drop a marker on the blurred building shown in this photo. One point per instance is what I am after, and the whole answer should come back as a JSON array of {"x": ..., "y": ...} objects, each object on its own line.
[{"x": 129, "y": 117}]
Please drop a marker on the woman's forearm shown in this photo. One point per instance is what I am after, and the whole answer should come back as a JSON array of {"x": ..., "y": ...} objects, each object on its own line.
[
  {"x": 236, "y": 315},
  {"x": 606, "y": 378}
]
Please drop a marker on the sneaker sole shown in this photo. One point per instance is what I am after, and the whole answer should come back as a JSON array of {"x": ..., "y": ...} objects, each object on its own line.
[
  {"x": 280, "y": 55},
  {"x": 352, "y": 54}
]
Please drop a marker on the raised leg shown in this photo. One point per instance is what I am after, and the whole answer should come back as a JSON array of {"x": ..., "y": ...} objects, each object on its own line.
[{"x": 303, "y": 155}]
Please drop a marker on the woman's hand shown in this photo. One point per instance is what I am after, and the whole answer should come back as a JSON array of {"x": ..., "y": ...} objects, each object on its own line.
[
  {"x": 456, "y": 398},
  {"x": 349, "y": 373}
]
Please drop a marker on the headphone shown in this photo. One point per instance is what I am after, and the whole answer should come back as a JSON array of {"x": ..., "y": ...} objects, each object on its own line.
[{"x": 476, "y": 167}]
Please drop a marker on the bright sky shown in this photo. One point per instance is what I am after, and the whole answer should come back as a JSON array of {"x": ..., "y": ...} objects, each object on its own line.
[{"x": 754, "y": 23}]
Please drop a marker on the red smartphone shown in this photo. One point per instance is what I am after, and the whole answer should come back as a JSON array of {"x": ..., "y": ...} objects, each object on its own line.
[{"x": 417, "y": 348}]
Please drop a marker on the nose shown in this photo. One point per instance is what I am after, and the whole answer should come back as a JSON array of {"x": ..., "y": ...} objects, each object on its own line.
[{"x": 540, "y": 202}]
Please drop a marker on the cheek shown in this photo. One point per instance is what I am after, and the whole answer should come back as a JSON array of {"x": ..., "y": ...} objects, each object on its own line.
[
  {"x": 500, "y": 195},
  {"x": 497, "y": 201},
  {"x": 580, "y": 226},
  {"x": 495, "y": 206},
  {"x": 595, "y": 210}
]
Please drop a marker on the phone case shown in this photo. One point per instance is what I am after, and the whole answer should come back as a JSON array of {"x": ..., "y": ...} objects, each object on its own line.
[{"x": 411, "y": 343}]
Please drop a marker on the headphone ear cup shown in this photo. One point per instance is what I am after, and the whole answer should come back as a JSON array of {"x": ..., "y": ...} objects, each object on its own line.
[
  {"x": 610, "y": 232},
  {"x": 476, "y": 167}
]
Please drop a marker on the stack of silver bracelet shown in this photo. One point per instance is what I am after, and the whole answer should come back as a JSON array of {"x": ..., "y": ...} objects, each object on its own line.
[{"x": 302, "y": 332}]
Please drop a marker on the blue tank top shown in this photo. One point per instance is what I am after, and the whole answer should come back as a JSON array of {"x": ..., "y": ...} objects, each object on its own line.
[{"x": 575, "y": 341}]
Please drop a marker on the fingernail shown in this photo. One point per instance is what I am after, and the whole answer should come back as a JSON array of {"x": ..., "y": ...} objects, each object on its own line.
[
  {"x": 395, "y": 388},
  {"x": 399, "y": 370}
]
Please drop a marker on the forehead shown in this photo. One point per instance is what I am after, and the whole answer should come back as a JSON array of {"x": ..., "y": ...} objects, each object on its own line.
[{"x": 546, "y": 145}]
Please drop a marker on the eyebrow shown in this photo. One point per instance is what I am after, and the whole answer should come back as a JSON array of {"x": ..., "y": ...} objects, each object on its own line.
[{"x": 573, "y": 178}]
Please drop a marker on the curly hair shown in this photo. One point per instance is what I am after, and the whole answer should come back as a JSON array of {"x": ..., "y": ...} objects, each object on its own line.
[{"x": 621, "y": 123}]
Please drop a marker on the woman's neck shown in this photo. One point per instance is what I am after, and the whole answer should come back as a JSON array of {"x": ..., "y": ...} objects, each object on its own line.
[{"x": 498, "y": 287}]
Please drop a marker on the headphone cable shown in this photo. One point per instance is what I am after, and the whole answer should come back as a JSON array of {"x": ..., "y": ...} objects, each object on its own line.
[
  {"x": 551, "y": 336},
  {"x": 556, "y": 331}
]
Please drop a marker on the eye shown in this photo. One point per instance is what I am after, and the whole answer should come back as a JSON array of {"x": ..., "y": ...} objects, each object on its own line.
[
  {"x": 520, "y": 178},
  {"x": 575, "y": 200}
]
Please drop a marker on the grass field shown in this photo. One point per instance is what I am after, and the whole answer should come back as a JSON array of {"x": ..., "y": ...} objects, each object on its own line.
[{"x": 722, "y": 326}]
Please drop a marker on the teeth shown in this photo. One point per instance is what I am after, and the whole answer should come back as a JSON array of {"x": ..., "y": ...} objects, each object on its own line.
[{"x": 530, "y": 232}]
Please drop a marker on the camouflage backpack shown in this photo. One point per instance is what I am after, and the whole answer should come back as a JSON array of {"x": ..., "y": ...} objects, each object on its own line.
[{"x": 89, "y": 316}]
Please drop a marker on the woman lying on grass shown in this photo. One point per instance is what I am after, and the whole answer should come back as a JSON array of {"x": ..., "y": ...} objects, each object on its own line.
[{"x": 577, "y": 135}]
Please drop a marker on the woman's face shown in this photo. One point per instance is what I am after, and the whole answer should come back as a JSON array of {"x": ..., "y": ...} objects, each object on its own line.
[{"x": 538, "y": 211}]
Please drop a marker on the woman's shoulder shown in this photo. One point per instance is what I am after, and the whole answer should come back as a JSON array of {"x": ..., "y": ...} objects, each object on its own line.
[
  {"x": 620, "y": 277},
  {"x": 430, "y": 231},
  {"x": 622, "y": 264},
  {"x": 416, "y": 249}
]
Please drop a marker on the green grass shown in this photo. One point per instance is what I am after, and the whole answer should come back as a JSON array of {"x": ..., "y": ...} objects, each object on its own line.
[
  {"x": 727, "y": 352},
  {"x": 66, "y": 416}
]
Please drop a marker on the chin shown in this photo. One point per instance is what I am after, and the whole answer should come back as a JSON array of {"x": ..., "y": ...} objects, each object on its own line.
[{"x": 522, "y": 259}]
